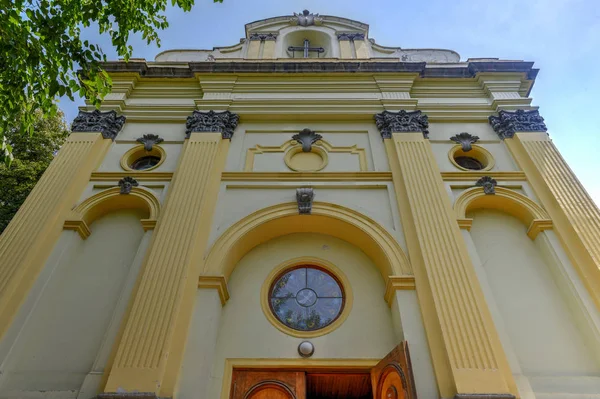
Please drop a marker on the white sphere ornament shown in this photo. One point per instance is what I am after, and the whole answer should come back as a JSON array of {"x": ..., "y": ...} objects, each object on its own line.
[{"x": 306, "y": 349}]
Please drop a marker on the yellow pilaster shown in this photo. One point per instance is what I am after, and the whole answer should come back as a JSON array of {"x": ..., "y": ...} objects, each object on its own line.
[
  {"x": 362, "y": 50},
  {"x": 30, "y": 237},
  {"x": 466, "y": 351},
  {"x": 268, "y": 49},
  {"x": 346, "y": 49},
  {"x": 253, "y": 49},
  {"x": 575, "y": 217},
  {"x": 171, "y": 268}
]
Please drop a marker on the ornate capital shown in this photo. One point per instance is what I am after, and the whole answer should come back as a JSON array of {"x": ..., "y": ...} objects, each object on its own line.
[
  {"x": 149, "y": 140},
  {"x": 263, "y": 36},
  {"x": 307, "y": 138},
  {"x": 127, "y": 183},
  {"x": 389, "y": 122},
  {"x": 211, "y": 121},
  {"x": 306, "y": 18},
  {"x": 507, "y": 123},
  {"x": 107, "y": 123},
  {"x": 304, "y": 197},
  {"x": 488, "y": 184},
  {"x": 352, "y": 36},
  {"x": 465, "y": 140}
]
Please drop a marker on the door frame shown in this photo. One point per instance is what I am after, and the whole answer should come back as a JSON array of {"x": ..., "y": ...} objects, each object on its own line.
[{"x": 295, "y": 364}]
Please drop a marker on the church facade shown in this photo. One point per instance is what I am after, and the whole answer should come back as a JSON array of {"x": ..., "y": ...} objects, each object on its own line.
[{"x": 305, "y": 214}]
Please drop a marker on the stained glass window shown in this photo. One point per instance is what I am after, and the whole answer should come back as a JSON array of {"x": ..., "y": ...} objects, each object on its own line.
[{"x": 306, "y": 298}]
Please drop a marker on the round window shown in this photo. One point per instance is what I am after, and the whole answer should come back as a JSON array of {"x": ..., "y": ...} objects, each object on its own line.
[
  {"x": 306, "y": 298},
  {"x": 469, "y": 163},
  {"x": 144, "y": 163}
]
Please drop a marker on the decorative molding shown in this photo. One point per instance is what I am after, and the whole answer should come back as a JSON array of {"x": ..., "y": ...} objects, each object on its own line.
[
  {"x": 402, "y": 121},
  {"x": 304, "y": 197},
  {"x": 216, "y": 282},
  {"x": 488, "y": 184},
  {"x": 149, "y": 140},
  {"x": 465, "y": 223},
  {"x": 80, "y": 226},
  {"x": 127, "y": 395},
  {"x": 107, "y": 123},
  {"x": 484, "y": 396},
  {"x": 306, "y": 176},
  {"x": 506, "y": 124},
  {"x": 211, "y": 121},
  {"x": 306, "y": 18},
  {"x": 465, "y": 140},
  {"x": 395, "y": 283},
  {"x": 306, "y": 138},
  {"x": 266, "y": 36},
  {"x": 139, "y": 176},
  {"x": 478, "y": 174},
  {"x": 127, "y": 183},
  {"x": 351, "y": 36}
]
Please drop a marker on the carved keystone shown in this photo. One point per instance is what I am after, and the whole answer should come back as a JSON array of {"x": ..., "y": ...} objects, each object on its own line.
[
  {"x": 211, "y": 121},
  {"x": 127, "y": 183},
  {"x": 107, "y": 123},
  {"x": 402, "y": 121},
  {"x": 304, "y": 197},
  {"x": 149, "y": 140},
  {"x": 506, "y": 124},
  {"x": 465, "y": 140},
  {"x": 306, "y": 138},
  {"x": 488, "y": 184}
]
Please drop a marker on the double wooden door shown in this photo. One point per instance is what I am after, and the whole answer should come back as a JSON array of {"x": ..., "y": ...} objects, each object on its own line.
[{"x": 391, "y": 378}]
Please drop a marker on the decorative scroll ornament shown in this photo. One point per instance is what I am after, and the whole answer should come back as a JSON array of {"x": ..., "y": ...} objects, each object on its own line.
[
  {"x": 389, "y": 122},
  {"x": 211, "y": 121},
  {"x": 506, "y": 124},
  {"x": 306, "y": 18},
  {"x": 127, "y": 183},
  {"x": 149, "y": 140},
  {"x": 351, "y": 36},
  {"x": 465, "y": 140},
  {"x": 307, "y": 138},
  {"x": 263, "y": 36},
  {"x": 488, "y": 184},
  {"x": 107, "y": 123},
  {"x": 304, "y": 197}
]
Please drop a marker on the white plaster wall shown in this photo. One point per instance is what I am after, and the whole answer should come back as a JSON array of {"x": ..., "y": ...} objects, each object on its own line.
[
  {"x": 443, "y": 131},
  {"x": 541, "y": 337},
  {"x": 168, "y": 131},
  {"x": 67, "y": 321},
  {"x": 244, "y": 332}
]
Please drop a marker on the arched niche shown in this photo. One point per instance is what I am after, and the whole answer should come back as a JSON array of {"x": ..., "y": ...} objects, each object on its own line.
[
  {"x": 317, "y": 37},
  {"x": 505, "y": 200},
  {"x": 330, "y": 219},
  {"x": 98, "y": 205}
]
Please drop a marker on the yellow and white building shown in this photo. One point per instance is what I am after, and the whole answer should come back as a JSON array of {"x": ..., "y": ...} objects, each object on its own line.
[{"x": 420, "y": 191}]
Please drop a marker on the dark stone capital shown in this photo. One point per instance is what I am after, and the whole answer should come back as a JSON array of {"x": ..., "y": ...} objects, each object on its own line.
[
  {"x": 507, "y": 123},
  {"x": 127, "y": 184},
  {"x": 352, "y": 36},
  {"x": 306, "y": 138},
  {"x": 211, "y": 121},
  {"x": 465, "y": 140},
  {"x": 107, "y": 123},
  {"x": 488, "y": 184},
  {"x": 263, "y": 36},
  {"x": 149, "y": 140},
  {"x": 304, "y": 197},
  {"x": 397, "y": 122}
]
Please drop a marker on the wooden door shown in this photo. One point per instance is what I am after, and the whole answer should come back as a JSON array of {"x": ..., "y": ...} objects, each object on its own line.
[
  {"x": 392, "y": 377},
  {"x": 248, "y": 384}
]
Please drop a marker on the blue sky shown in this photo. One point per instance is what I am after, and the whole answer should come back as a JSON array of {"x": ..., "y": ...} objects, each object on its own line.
[{"x": 562, "y": 37}]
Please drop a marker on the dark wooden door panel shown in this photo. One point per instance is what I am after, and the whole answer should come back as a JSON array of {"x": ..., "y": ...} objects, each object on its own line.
[
  {"x": 249, "y": 384},
  {"x": 338, "y": 386},
  {"x": 392, "y": 377}
]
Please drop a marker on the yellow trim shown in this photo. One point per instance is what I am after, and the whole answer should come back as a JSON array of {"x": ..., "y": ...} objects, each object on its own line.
[
  {"x": 307, "y": 260},
  {"x": 395, "y": 283},
  {"x": 139, "y": 151},
  {"x": 477, "y": 174},
  {"x": 479, "y": 153},
  {"x": 215, "y": 282},
  {"x": 509, "y": 201},
  {"x": 335, "y": 220},
  {"x": 298, "y": 149},
  {"x": 322, "y": 144},
  {"x": 137, "y": 175},
  {"x": 306, "y": 176},
  {"x": 109, "y": 200},
  {"x": 290, "y": 364}
]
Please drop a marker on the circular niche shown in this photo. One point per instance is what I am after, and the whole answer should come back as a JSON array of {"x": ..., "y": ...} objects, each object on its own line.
[
  {"x": 300, "y": 161},
  {"x": 138, "y": 159},
  {"x": 477, "y": 159}
]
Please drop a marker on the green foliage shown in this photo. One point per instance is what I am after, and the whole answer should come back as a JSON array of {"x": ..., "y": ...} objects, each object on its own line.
[
  {"x": 33, "y": 154},
  {"x": 41, "y": 49}
]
